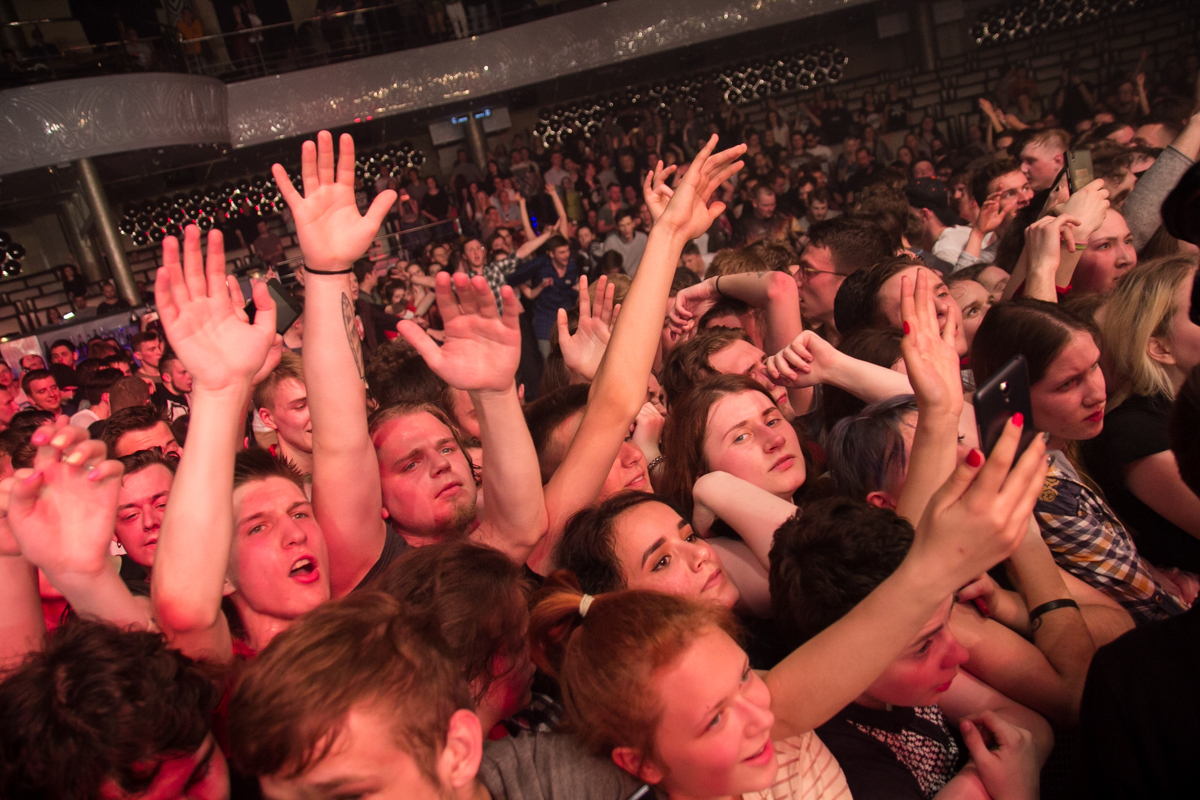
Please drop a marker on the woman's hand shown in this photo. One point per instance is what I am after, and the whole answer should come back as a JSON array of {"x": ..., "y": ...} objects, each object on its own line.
[
  {"x": 647, "y": 430},
  {"x": 693, "y": 303},
  {"x": 1088, "y": 207},
  {"x": 332, "y": 233},
  {"x": 203, "y": 316},
  {"x": 688, "y": 213},
  {"x": 803, "y": 363},
  {"x": 656, "y": 191},
  {"x": 929, "y": 355},
  {"x": 583, "y": 350},
  {"x": 1011, "y": 770},
  {"x": 980, "y": 515},
  {"x": 482, "y": 347}
]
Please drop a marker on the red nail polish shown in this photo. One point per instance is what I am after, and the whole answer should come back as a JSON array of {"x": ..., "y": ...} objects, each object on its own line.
[
  {"x": 907, "y": 328},
  {"x": 1019, "y": 419},
  {"x": 974, "y": 458}
]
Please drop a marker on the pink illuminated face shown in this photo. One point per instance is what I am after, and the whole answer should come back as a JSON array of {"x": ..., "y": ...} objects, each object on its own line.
[
  {"x": 658, "y": 550},
  {"x": 747, "y": 436}
]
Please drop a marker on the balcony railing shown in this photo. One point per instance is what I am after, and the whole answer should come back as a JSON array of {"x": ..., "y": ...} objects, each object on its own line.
[{"x": 256, "y": 50}]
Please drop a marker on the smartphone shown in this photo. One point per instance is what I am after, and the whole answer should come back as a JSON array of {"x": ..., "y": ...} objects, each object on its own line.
[
  {"x": 287, "y": 310},
  {"x": 1078, "y": 164},
  {"x": 997, "y": 400}
]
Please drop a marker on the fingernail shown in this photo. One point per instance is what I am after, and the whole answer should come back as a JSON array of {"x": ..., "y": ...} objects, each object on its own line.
[
  {"x": 974, "y": 458},
  {"x": 966, "y": 725},
  {"x": 40, "y": 438},
  {"x": 1018, "y": 419},
  {"x": 60, "y": 440},
  {"x": 33, "y": 477},
  {"x": 74, "y": 459},
  {"x": 907, "y": 328}
]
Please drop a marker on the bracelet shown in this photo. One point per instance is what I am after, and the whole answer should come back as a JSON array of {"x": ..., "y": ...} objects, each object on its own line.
[
  {"x": 1080, "y": 246},
  {"x": 719, "y": 293},
  {"x": 328, "y": 272},
  {"x": 657, "y": 460},
  {"x": 1035, "y": 615}
]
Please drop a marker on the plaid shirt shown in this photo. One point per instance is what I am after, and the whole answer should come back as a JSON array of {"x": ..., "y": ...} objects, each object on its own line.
[
  {"x": 497, "y": 271},
  {"x": 1091, "y": 543}
]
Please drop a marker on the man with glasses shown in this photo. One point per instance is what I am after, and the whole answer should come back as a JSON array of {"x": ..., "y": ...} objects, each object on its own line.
[{"x": 836, "y": 248}]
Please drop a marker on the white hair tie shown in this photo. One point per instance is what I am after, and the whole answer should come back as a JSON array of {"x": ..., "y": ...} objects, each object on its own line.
[{"x": 585, "y": 603}]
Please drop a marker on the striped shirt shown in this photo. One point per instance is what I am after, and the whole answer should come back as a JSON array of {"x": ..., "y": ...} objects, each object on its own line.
[{"x": 807, "y": 771}]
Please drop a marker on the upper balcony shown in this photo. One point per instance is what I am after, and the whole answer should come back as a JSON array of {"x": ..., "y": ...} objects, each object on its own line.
[{"x": 234, "y": 45}]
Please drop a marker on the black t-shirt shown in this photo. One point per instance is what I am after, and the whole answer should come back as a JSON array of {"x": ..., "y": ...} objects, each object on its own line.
[
  {"x": 393, "y": 547},
  {"x": 1139, "y": 712},
  {"x": 894, "y": 754},
  {"x": 835, "y": 124},
  {"x": 1134, "y": 430},
  {"x": 436, "y": 204}
]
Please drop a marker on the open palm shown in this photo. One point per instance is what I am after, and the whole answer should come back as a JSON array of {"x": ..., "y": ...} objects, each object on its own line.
[
  {"x": 482, "y": 348},
  {"x": 201, "y": 313},
  {"x": 332, "y": 233},
  {"x": 583, "y": 350},
  {"x": 688, "y": 210}
]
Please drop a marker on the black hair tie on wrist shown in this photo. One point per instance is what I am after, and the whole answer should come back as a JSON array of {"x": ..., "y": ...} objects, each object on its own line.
[
  {"x": 329, "y": 272},
  {"x": 1036, "y": 614}
]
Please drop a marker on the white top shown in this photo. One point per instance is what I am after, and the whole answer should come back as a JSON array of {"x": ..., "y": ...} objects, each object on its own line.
[
  {"x": 807, "y": 771},
  {"x": 84, "y": 419},
  {"x": 950, "y": 244}
]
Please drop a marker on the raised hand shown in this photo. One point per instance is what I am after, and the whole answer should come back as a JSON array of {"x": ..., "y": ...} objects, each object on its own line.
[
  {"x": 693, "y": 303},
  {"x": 332, "y": 233},
  {"x": 656, "y": 191},
  {"x": 688, "y": 212},
  {"x": 930, "y": 356},
  {"x": 979, "y": 516},
  {"x": 1088, "y": 206},
  {"x": 1011, "y": 770},
  {"x": 482, "y": 347},
  {"x": 202, "y": 314},
  {"x": 991, "y": 214},
  {"x": 63, "y": 512},
  {"x": 647, "y": 430},
  {"x": 583, "y": 350}
]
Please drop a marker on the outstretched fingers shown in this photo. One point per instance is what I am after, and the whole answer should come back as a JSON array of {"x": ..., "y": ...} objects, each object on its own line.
[
  {"x": 286, "y": 188},
  {"x": 264, "y": 308},
  {"x": 345, "y": 163},
  {"x": 325, "y": 171},
  {"x": 193, "y": 263},
  {"x": 585, "y": 301},
  {"x": 308, "y": 167},
  {"x": 214, "y": 265}
]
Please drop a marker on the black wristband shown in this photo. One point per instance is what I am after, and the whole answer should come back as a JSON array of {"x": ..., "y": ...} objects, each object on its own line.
[
  {"x": 329, "y": 272},
  {"x": 1045, "y": 608},
  {"x": 718, "y": 287}
]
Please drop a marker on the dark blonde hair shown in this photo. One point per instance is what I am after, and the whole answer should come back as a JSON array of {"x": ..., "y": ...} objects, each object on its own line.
[
  {"x": 292, "y": 700},
  {"x": 605, "y": 662}
]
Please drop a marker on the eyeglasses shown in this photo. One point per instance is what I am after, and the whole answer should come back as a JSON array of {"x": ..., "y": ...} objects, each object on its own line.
[{"x": 814, "y": 271}]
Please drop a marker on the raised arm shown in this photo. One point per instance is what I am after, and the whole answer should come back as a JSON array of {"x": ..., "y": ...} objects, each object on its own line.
[
  {"x": 750, "y": 510},
  {"x": 619, "y": 391},
  {"x": 347, "y": 496},
  {"x": 22, "y": 626},
  {"x": 972, "y": 523},
  {"x": 932, "y": 364},
  {"x": 810, "y": 360},
  {"x": 1050, "y": 677},
  {"x": 480, "y": 356},
  {"x": 62, "y": 513},
  {"x": 202, "y": 315}
]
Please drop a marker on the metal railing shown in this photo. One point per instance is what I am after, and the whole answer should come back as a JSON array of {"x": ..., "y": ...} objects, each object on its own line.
[{"x": 254, "y": 51}]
